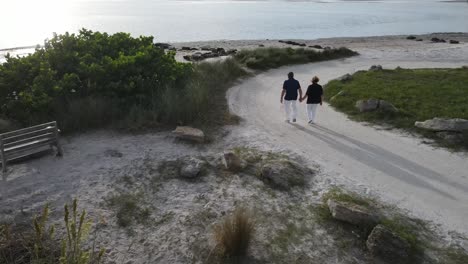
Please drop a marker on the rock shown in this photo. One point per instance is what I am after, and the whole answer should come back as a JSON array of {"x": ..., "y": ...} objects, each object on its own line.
[
  {"x": 419, "y": 40},
  {"x": 281, "y": 41},
  {"x": 261, "y": 45},
  {"x": 316, "y": 47},
  {"x": 191, "y": 167},
  {"x": 387, "y": 107},
  {"x": 206, "y": 48},
  {"x": 220, "y": 51},
  {"x": 189, "y": 134},
  {"x": 436, "y": 40},
  {"x": 374, "y": 104},
  {"x": 340, "y": 93},
  {"x": 376, "y": 68},
  {"x": 188, "y": 48},
  {"x": 442, "y": 124},
  {"x": 232, "y": 162},
  {"x": 302, "y": 45},
  {"x": 327, "y": 48},
  {"x": 113, "y": 153},
  {"x": 210, "y": 55},
  {"x": 352, "y": 213},
  {"x": 411, "y": 37},
  {"x": 345, "y": 78},
  {"x": 454, "y": 41},
  {"x": 231, "y": 51},
  {"x": 187, "y": 57},
  {"x": 385, "y": 245},
  {"x": 283, "y": 175},
  {"x": 451, "y": 137},
  {"x": 367, "y": 105}
]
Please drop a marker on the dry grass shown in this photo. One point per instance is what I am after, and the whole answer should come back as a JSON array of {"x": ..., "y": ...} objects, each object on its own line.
[{"x": 234, "y": 234}]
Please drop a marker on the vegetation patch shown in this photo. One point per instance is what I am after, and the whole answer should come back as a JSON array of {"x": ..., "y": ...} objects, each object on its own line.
[
  {"x": 418, "y": 95},
  {"x": 269, "y": 58},
  {"x": 128, "y": 209},
  {"x": 93, "y": 80},
  {"x": 234, "y": 234},
  {"x": 425, "y": 244},
  {"x": 43, "y": 242}
]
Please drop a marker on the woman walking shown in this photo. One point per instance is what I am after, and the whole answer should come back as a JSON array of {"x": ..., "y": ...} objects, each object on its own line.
[{"x": 314, "y": 97}]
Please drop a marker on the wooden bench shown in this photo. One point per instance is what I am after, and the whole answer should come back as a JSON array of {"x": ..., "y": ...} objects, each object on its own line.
[{"x": 27, "y": 141}]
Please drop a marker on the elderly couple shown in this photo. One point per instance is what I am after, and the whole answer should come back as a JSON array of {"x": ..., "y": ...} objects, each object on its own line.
[{"x": 289, "y": 95}]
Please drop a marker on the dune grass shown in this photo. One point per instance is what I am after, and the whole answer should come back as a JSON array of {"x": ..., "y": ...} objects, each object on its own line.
[
  {"x": 234, "y": 234},
  {"x": 269, "y": 58},
  {"x": 419, "y": 95}
]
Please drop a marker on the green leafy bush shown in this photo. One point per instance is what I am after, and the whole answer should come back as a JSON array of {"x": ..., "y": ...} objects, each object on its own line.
[{"x": 62, "y": 79}]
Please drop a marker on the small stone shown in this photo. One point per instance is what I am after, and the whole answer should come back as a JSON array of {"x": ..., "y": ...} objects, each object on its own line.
[
  {"x": 113, "y": 153},
  {"x": 376, "y": 68},
  {"x": 191, "y": 168},
  {"x": 345, "y": 78},
  {"x": 454, "y": 41},
  {"x": 411, "y": 37},
  {"x": 367, "y": 105}
]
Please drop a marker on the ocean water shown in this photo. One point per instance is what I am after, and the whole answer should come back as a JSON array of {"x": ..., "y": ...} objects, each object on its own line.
[{"x": 29, "y": 22}]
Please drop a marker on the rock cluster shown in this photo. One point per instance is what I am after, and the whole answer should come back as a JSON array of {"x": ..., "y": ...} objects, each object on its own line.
[
  {"x": 212, "y": 53},
  {"x": 383, "y": 244},
  {"x": 376, "y": 68}
]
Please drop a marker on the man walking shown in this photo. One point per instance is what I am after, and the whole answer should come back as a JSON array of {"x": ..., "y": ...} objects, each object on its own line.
[{"x": 290, "y": 94}]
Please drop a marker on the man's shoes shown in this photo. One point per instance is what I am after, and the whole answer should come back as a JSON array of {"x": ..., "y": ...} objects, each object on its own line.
[{"x": 294, "y": 120}]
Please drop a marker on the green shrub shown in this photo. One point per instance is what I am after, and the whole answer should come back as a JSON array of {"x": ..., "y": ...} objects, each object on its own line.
[{"x": 268, "y": 58}]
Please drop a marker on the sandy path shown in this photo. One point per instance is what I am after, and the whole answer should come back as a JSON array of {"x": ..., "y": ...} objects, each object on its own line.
[{"x": 430, "y": 183}]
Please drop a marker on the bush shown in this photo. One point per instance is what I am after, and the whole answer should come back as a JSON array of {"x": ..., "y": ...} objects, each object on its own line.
[
  {"x": 234, "y": 234},
  {"x": 87, "y": 73}
]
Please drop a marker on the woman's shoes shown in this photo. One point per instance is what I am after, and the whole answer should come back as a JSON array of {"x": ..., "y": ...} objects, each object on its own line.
[{"x": 311, "y": 122}]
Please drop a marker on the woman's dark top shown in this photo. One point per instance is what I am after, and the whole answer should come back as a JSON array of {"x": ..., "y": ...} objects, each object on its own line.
[{"x": 314, "y": 94}]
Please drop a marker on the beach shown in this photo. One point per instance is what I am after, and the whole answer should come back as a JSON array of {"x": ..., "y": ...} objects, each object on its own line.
[{"x": 398, "y": 168}]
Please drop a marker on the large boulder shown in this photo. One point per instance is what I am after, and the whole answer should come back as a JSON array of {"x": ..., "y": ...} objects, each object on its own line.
[
  {"x": 374, "y": 104},
  {"x": 191, "y": 167},
  {"x": 451, "y": 137},
  {"x": 443, "y": 124},
  {"x": 283, "y": 174},
  {"x": 189, "y": 134},
  {"x": 388, "y": 247},
  {"x": 352, "y": 213},
  {"x": 367, "y": 105}
]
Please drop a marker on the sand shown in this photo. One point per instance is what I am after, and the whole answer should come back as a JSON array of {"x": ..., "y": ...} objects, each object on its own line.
[{"x": 428, "y": 182}]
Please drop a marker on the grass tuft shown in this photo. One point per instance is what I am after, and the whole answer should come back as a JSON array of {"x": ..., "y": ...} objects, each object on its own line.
[
  {"x": 129, "y": 209},
  {"x": 235, "y": 233}
]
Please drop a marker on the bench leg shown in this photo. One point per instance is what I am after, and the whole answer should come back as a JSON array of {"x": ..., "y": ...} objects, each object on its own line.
[
  {"x": 4, "y": 164},
  {"x": 59, "y": 149}
]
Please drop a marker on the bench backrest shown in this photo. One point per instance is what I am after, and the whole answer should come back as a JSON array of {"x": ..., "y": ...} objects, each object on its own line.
[{"x": 25, "y": 141}]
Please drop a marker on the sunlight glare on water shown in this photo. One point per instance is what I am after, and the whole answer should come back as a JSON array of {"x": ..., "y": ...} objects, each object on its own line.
[{"x": 29, "y": 22}]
